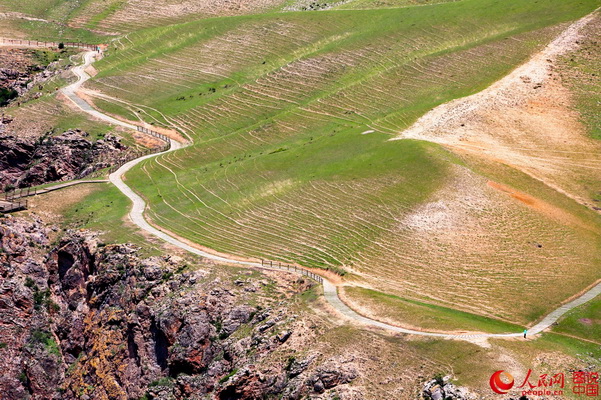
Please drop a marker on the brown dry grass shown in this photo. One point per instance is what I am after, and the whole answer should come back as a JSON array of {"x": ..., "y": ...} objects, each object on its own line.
[
  {"x": 52, "y": 205},
  {"x": 527, "y": 121},
  {"x": 472, "y": 246},
  {"x": 136, "y": 14}
]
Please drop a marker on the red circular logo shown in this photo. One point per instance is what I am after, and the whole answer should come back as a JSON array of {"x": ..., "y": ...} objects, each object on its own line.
[{"x": 497, "y": 384}]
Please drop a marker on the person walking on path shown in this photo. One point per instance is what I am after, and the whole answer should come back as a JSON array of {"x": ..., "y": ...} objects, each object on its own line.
[{"x": 525, "y": 332}]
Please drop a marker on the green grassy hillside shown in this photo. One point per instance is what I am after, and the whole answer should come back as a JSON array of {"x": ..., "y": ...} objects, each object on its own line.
[
  {"x": 290, "y": 114},
  {"x": 92, "y": 19}
]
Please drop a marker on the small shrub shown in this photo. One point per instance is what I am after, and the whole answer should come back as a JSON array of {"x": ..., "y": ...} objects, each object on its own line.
[
  {"x": 39, "y": 297},
  {"x": 228, "y": 376},
  {"x": 7, "y": 95},
  {"x": 439, "y": 378},
  {"x": 278, "y": 150},
  {"x": 164, "y": 381},
  {"x": 42, "y": 337},
  {"x": 52, "y": 306},
  {"x": 291, "y": 361},
  {"x": 217, "y": 324}
]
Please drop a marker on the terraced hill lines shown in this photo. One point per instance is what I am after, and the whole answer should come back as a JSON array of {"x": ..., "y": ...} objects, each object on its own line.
[
  {"x": 368, "y": 4},
  {"x": 279, "y": 169},
  {"x": 126, "y": 16},
  {"x": 115, "y": 17},
  {"x": 309, "y": 82}
]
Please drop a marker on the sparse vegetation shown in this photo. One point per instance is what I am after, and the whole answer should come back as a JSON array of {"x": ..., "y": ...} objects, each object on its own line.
[
  {"x": 164, "y": 381},
  {"x": 45, "y": 338}
]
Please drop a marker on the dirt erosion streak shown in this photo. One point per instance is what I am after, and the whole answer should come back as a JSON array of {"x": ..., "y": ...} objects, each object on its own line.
[
  {"x": 330, "y": 291},
  {"x": 501, "y": 93}
]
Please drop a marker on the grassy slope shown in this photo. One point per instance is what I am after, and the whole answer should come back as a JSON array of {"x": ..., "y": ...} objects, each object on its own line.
[
  {"x": 580, "y": 72},
  {"x": 583, "y": 322},
  {"x": 425, "y": 316},
  {"x": 279, "y": 168},
  {"x": 105, "y": 210},
  {"x": 49, "y": 21},
  {"x": 369, "y": 4}
]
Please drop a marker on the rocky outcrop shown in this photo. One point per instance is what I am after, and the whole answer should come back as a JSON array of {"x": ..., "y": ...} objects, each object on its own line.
[
  {"x": 81, "y": 319},
  {"x": 23, "y": 71},
  {"x": 28, "y": 350},
  {"x": 443, "y": 389},
  {"x": 27, "y": 162}
]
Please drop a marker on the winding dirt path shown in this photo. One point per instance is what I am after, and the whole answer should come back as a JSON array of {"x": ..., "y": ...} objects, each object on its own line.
[{"x": 329, "y": 288}]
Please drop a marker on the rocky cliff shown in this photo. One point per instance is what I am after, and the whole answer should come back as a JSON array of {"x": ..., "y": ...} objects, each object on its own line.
[
  {"x": 80, "y": 319},
  {"x": 26, "y": 70},
  {"x": 26, "y": 161}
]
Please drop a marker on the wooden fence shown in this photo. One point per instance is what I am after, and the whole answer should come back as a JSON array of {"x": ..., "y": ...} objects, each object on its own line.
[
  {"x": 133, "y": 155},
  {"x": 153, "y": 133},
  {"x": 15, "y": 205},
  {"x": 18, "y": 193},
  {"x": 291, "y": 268},
  {"x": 37, "y": 43}
]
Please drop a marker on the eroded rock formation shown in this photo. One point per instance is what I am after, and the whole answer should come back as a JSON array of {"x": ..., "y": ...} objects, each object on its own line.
[
  {"x": 27, "y": 161},
  {"x": 79, "y": 319}
]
